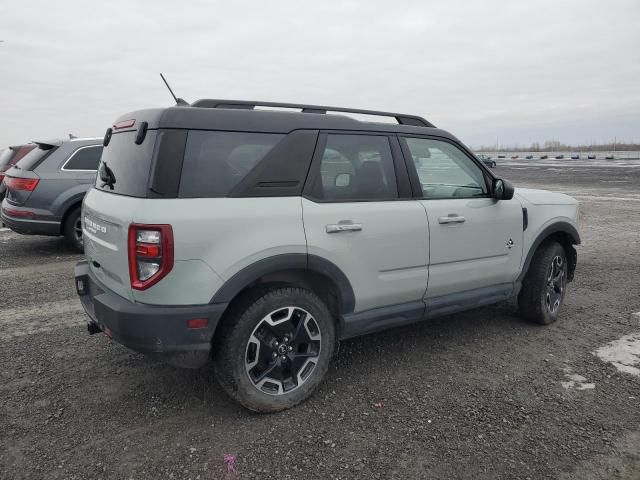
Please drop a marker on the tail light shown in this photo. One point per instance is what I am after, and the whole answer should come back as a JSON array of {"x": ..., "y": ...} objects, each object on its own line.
[
  {"x": 1, "y": 177},
  {"x": 150, "y": 254},
  {"x": 28, "y": 184}
]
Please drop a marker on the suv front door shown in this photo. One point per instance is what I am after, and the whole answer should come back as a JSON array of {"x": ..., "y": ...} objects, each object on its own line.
[
  {"x": 358, "y": 213},
  {"x": 475, "y": 240}
]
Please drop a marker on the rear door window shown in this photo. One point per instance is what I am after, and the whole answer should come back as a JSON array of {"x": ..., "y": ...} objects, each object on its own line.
[
  {"x": 84, "y": 159},
  {"x": 356, "y": 168},
  {"x": 215, "y": 162},
  {"x": 124, "y": 167}
]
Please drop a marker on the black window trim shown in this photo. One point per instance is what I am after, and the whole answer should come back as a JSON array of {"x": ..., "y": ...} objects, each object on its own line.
[
  {"x": 404, "y": 190},
  {"x": 74, "y": 153},
  {"x": 489, "y": 177}
]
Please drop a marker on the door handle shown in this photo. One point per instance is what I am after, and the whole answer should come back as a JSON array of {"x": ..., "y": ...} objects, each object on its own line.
[
  {"x": 452, "y": 218},
  {"x": 343, "y": 227}
]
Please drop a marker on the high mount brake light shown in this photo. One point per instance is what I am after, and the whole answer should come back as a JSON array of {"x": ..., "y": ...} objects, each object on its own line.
[
  {"x": 28, "y": 184},
  {"x": 150, "y": 254},
  {"x": 124, "y": 124}
]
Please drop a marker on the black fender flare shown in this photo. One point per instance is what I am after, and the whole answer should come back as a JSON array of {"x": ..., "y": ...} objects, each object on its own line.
[
  {"x": 557, "y": 227},
  {"x": 284, "y": 262}
]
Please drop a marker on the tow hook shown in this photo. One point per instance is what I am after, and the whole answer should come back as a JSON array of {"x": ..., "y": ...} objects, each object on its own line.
[{"x": 93, "y": 328}]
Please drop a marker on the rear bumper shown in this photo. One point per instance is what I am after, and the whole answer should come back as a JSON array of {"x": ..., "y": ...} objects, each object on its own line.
[
  {"x": 12, "y": 217},
  {"x": 159, "y": 331}
]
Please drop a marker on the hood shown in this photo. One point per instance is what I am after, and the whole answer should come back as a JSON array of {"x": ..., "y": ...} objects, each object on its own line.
[{"x": 544, "y": 197}]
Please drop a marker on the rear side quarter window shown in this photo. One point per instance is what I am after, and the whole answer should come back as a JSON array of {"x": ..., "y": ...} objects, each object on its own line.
[
  {"x": 215, "y": 162},
  {"x": 84, "y": 159}
]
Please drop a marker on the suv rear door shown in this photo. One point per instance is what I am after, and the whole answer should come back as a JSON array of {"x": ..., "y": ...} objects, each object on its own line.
[
  {"x": 476, "y": 240},
  {"x": 358, "y": 213}
]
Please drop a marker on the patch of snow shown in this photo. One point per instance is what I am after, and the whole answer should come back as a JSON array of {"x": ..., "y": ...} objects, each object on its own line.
[{"x": 624, "y": 353}]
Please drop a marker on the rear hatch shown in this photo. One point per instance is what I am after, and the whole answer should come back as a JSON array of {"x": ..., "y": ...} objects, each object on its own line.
[
  {"x": 21, "y": 180},
  {"x": 108, "y": 208}
]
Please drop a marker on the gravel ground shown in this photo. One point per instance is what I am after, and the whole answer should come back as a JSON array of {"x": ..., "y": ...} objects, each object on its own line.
[{"x": 480, "y": 395}]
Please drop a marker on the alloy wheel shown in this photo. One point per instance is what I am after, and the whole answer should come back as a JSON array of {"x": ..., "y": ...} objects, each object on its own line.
[
  {"x": 283, "y": 350},
  {"x": 556, "y": 282}
]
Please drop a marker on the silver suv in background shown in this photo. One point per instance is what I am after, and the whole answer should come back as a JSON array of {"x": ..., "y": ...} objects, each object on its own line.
[
  {"x": 259, "y": 239},
  {"x": 44, "y": 190}
]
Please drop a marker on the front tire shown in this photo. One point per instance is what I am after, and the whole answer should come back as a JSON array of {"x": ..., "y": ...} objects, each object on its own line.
[
  {"x": 73, "y": 230},
  {"x": 273, "y": 351},
  {"x": 544, "y": 285}
]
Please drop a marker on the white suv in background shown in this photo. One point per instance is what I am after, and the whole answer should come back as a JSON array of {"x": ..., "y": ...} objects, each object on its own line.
[{"x": 259, "y": 238}]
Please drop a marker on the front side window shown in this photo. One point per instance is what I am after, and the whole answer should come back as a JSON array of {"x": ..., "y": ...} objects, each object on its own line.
[
  {"x": 85, "y": 158},
  {"x": 215, "y": 162},
  {"x": 356, "y": 167},
  {"x": 444, "y": 170}
]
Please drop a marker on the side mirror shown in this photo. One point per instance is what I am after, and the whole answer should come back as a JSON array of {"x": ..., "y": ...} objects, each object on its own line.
[{"x": 502, "y": 189}]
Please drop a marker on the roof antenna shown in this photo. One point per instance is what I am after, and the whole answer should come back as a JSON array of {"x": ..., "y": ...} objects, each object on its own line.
[{"x": 179, "y": 101}]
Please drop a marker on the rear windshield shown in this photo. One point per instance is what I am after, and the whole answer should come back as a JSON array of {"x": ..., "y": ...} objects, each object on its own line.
[
  {"x": 5, "y": 156},
  {"x": 35, "y": 157},
  {"x": 124, "y": 166},
  {"x": 215, "y": 162}
]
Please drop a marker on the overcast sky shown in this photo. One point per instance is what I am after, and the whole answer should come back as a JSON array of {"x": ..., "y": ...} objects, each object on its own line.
[{"x": 506, "y": 71}]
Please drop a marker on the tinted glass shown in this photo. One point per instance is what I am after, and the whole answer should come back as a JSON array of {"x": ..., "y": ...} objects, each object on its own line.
[
  {"x": 85, "y": 158},
  {"x": 444, "y": 170},
  {"x": 32, "y": 159},
  {"x": 214, "y": 162},
  {"x": 127, "y": 164},
  {"x": 5, "y": 157},
  {"x": 356, "y": 167}
]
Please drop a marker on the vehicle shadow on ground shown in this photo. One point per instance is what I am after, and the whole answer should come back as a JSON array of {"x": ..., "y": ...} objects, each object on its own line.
[{"x": 417, "y": 350}]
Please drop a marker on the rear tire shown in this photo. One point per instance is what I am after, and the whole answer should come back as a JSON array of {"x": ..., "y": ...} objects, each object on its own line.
[
  {"x": 274, "y": 349},
  {"x": 544, "y": 285},
  {"x": 72, "y": 230}
]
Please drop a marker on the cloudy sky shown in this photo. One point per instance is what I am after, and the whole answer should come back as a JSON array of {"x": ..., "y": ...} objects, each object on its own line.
[{"x": 507, "y": 71}]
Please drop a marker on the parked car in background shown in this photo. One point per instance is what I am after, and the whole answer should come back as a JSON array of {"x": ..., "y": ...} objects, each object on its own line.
[
  {"x": 591, "y": 157},
  {"x": 501, "y": 156},
  {"x": 609, "y": 157},
  {"x": 559, "y": 157},
  {"x": 575, "y": 156},
  {"x": 46, "y": 187},
  {"x": 529, "y": 157},
  {"x": 8, "y": 158},
  {"x": 488, "y": 161},
  {"x": 259, "y": 239},
  {"x": 544, "y": 157},
  {"x": 514, "y": 156}
]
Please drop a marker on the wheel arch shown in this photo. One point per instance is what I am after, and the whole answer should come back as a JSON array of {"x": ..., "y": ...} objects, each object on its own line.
[
  {"x": 308, "y": 271},
  {"x": 564, "y": 233}
]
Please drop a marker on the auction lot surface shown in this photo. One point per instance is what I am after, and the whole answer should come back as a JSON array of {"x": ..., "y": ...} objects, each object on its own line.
[{"x": 477, "y": 395}]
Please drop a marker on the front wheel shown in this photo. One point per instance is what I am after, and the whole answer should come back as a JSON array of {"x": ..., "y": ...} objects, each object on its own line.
[
  {"x": 544, "y": 285},
  {"x": 273, "y": 351}
]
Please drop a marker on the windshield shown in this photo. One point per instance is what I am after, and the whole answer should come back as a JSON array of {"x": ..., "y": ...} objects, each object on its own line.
[{"x": 124, "y": 166}]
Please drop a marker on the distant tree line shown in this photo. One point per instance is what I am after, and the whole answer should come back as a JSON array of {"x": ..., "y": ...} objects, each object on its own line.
[{"x": 556, "y": 146}]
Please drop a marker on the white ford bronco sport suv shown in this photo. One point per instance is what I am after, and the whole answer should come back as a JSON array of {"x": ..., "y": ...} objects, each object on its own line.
[{"x": 260, "y": 238}]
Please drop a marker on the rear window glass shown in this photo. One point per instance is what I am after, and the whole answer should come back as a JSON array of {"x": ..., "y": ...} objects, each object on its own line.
[
  {"x": 215, "y": 162},
  {"x": 5, "y": 156},
  {"x": 124, "y": 167},
  {"x": 85, "y": 158},
  {"x": 35, "y": 157}
]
